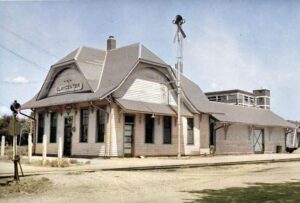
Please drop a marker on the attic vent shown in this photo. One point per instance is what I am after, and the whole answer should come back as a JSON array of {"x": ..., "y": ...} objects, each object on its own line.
[{"x": 111, "y": 43}]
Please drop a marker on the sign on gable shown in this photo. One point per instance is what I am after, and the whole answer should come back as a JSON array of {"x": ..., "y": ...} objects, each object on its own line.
[{"x": 69, "y": 86}]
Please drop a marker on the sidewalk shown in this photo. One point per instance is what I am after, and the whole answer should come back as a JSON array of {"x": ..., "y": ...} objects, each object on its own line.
[{"x": 151, "y": 163}]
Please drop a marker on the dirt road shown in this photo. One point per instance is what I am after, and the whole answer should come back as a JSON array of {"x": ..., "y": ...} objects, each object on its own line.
[{"x": 156, "y": 186}]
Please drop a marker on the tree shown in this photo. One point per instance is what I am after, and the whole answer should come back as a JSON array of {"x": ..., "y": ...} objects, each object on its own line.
[
  {"x": 4, "y": 124},
  {"x": 7, "y": 127}
]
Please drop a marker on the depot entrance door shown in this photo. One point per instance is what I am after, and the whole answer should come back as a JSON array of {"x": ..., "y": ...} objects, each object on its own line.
[
  {"x": 68, "y": 136},
  {"x": 128, "y": 135},
  {"x": 258, "y": 141}
]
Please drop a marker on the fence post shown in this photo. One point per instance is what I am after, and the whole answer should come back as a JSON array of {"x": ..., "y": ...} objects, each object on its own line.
[
  {"x": 2, "y": 145},
  {"x": 44, "y": 149},
  {"x": 59, "y": 153},
  {"x": 29, "y": 147},
  {"x": 30, "y": 143}
]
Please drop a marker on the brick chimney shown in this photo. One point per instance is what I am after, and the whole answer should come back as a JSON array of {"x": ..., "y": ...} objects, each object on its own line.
[{"x": 111, "y": 43}]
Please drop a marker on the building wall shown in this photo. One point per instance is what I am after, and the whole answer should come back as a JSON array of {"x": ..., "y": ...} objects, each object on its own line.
[
  {"x": 147, "y": 84},
  {"x": 158, "y": 148},
  {"x": 151, "y": 85},
  {"x": 66, "y": 79},
  {"x": 117, "y": 131},
  {"x": 239, "y": 140},
  {"x": 91, "y": 148},
  {"x": 274, "y": 137},
  {"x": 152, "y": 92},
  {"x": 192, "y": 149},
  {"x": 204, "y": 134}
]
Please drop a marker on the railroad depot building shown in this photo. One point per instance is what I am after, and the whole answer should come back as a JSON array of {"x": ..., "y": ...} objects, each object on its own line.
[{"x": 122, "y": 102}]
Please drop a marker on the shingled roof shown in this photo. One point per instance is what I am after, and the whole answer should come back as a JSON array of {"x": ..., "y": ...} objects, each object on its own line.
[
  {"x": 247, "y": 115},
  {"x": 106, "y": 70},
  {"x": 103, "y": 70}
]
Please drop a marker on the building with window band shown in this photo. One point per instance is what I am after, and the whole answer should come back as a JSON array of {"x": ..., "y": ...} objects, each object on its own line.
[
  {"x": 122, "y": 102},
  {"x": 258, "y": 98}
]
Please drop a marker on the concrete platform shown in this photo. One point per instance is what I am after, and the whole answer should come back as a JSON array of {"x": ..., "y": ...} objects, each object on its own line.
[{"x": 151, "y": 163}]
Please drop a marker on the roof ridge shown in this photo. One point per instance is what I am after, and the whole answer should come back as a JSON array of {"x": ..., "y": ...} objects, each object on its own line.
[
  {"x": 98, "y": 49},
  {"x": 101, "y": 73},
  {"x": 77, "y": 53},
  {"x": 142, "y": 47},
  {"x": 137, "y": 43}
]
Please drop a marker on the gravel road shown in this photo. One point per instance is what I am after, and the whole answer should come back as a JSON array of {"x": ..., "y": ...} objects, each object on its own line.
[{"x": 156, "y": 186}]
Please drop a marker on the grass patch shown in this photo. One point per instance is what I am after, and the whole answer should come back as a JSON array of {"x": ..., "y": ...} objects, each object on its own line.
[
  {"x": 22, "y": 151},
  {"x": 259, "y": 192},
  {"x": 25, "y": 186},
  {"x": 50, "y": 163},
  {"x": 65, "y": 162}
]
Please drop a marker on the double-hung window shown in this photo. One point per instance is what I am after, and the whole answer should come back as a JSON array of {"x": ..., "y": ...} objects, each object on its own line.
[
  {"x": 167, "y": 129},
  {"x": 84, "y": 125},
  {"x": 53, "y": 127},
  {"x": 41, "y": 126},
  {"x": 149, "y": 129},
  {"x": 190, "y": 131},
  {"x": 100, "y": 125}
]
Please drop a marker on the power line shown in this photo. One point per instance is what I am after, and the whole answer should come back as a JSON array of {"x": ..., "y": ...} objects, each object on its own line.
[
  {"x": 37, "y": 32},
  {"x": 19, "y": 83},
  {"x": 29, "y": 42},
  {"x": 25, "y": 59}
]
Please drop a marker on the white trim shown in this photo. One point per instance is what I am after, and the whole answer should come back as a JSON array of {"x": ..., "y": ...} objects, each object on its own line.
[
  {"x": 77, "y": 53},
  {"x": 100, "y": 77},
  {"x": 204, "y": 151},
  {"x": 140, "y": 50},
  {"x": 63, "y": 63},
  {"x": 121, "y": 83}
]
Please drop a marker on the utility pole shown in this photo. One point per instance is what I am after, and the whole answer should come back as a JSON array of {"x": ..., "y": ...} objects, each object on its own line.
[{"x": 179, "y": 36}]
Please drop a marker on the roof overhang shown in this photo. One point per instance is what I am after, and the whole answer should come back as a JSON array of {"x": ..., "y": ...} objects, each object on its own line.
[
  {"x": 223, "y": 118},
  {"x": 151, "y": 108},
  {"x": 60, "y": 100}
]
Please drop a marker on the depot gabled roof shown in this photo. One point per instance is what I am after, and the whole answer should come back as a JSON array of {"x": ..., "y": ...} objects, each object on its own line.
[
  {"x": 247, "y": 115},
  {"x": 105, "y": 71}
]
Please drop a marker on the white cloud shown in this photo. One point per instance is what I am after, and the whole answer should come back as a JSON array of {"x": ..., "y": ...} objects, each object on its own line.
[{"x": 17, "y": 80}]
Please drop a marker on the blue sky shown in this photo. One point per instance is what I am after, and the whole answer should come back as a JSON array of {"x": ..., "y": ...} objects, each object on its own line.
[{"x": 230, "y": 44}]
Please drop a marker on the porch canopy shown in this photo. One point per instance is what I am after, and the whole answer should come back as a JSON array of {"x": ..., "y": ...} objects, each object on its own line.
[
  {"x": 247, "y": 115},
  {"x": 59, "y": 100},
  {"x": 151, "y": 108}
]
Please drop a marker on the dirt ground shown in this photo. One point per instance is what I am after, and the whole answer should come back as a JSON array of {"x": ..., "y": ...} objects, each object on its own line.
[{"x": 155, "y": 186}]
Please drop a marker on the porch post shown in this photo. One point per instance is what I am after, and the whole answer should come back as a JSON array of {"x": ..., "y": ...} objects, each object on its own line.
[
  {"x": 2, "y": 145},
  {"x": 59, "y": 153},
  {"x": 30, "y": 143},
  {"x": 44, "y": 149},
  {"x": 109, "y": 130}
]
